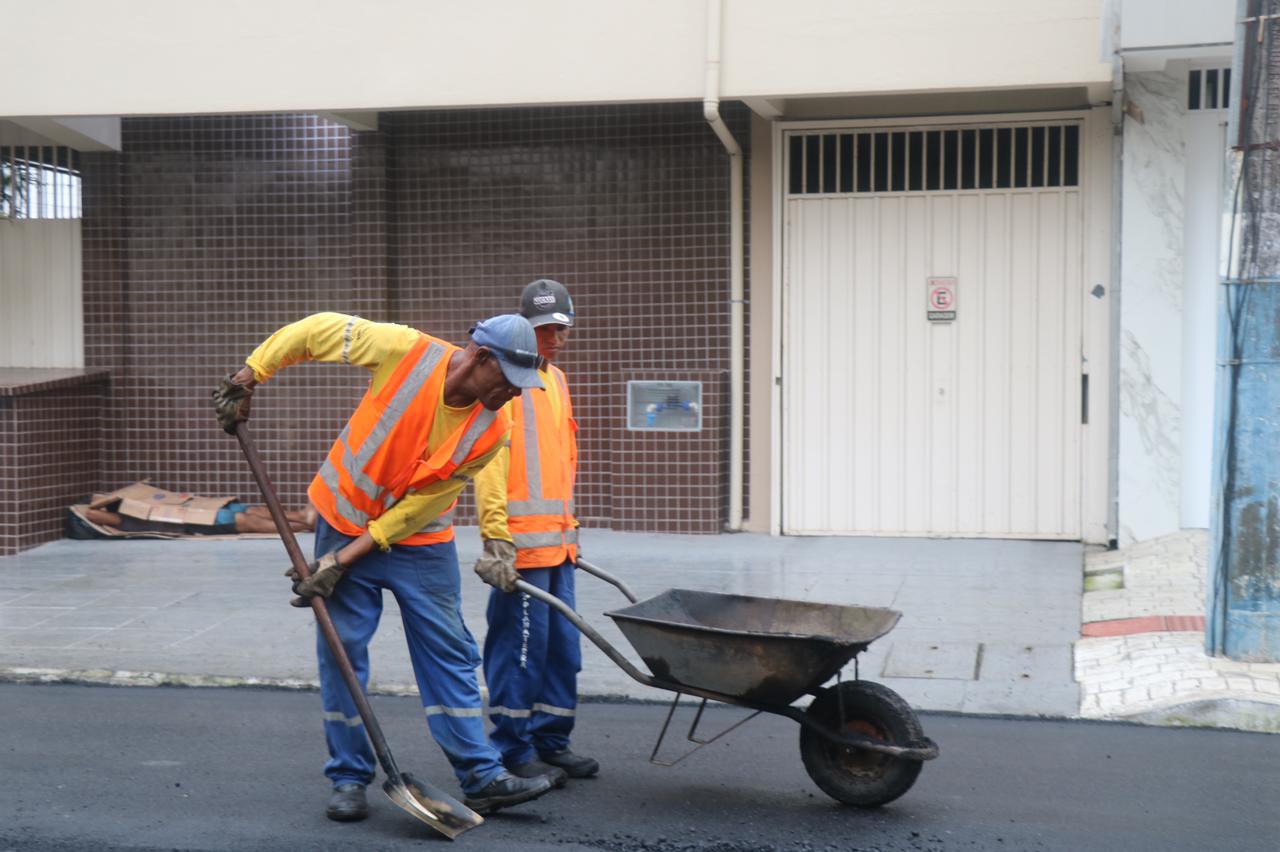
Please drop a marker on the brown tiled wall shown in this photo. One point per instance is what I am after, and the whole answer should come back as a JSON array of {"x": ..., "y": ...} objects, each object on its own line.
[
  {"x": 225, "y": 228},
  {"x": 671, "y": 481},
  {"x": 50, "y": 452},
  {"x": 208, "y": 233},
  {"x": 627, "y": 206}
]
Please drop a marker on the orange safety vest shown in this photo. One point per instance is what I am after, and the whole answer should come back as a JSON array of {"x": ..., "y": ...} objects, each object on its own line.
[
  {"x": 544, "y": 464},
  {"x": 382, "y": 452}
]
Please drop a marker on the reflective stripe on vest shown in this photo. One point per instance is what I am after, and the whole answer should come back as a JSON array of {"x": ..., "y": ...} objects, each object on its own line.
[
  {"x": 354, "y": 462},
  {"x": 443, "y": 522},
  {"x": 532, "y": 457},
  {"x": 357, "y": 485},
  {"x": 545, "y": 539},
  {"x": 477, "y": 428},
  {"x": 540, "y": 491}
]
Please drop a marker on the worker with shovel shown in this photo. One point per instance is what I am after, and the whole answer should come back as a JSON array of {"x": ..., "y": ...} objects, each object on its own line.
[
  {"x": 431, "y": 419},
  {"x": 525, "y": 497}
]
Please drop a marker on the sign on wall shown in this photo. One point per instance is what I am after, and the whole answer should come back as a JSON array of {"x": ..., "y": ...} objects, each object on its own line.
[{"x": 942, "y": 299}]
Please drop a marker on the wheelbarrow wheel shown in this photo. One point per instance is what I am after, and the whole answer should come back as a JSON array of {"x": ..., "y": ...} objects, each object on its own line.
[{"x": 855, "y": 776}]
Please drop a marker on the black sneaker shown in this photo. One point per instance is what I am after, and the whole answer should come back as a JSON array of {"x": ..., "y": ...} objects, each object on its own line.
[
  {"x": 536, "y": 768},
  {"x": 506, "y": 790},
  {"x": 574, "y": 765},
  {"x": 348, "y": 803}
]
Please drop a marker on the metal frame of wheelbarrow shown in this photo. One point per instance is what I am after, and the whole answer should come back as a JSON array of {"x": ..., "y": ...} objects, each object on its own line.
[{"x": 925, "y": 750}]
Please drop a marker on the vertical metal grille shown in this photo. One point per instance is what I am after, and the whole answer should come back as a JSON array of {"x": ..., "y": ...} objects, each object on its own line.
[
  {"x": 1208, "y": 88},
  {"x": 39, "y": 182},
  {"x": 940, "y": 160}
]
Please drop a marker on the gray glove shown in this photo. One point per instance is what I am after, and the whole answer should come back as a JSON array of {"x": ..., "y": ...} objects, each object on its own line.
[
  {"x": 497, "y": 566},
  {"x": 231, "y": 402},
  {"x": 325, "y": 574}
]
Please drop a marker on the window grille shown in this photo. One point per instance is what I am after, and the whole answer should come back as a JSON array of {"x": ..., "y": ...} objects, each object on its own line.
[
  {"x": 39, "y": 182},
  {"x": 934, "y": 160},
  {"x": 1208, "y": 88}
]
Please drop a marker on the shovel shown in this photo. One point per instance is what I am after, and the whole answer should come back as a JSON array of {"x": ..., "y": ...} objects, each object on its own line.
[{"x": 423, "y": 800}]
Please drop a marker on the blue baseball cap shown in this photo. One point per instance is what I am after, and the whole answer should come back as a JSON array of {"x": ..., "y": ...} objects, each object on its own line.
[{"x": 511, "y": 339}]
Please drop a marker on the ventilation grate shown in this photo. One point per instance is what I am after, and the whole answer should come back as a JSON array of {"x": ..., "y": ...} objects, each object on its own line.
[
  {"x": 1208, "y": 88},
  {"x": 934, "y": 160}
]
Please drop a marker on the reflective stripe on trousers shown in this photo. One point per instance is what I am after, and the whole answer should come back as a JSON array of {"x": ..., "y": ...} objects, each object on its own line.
[
  {"x": 425, "y": 582},
  {"x": 350, "y": 722},
  {"x": 538, "y": 707},
  {"x": 533, "y": 680}
]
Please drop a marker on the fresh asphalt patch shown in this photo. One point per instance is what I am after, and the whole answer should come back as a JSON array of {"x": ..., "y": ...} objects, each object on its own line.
[{"x": 143, "y": 770}]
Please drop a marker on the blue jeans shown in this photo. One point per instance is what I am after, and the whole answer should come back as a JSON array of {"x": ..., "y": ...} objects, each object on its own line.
[
  {"x": 425, "y": 582},
  {"x": 532, "y": 656}
]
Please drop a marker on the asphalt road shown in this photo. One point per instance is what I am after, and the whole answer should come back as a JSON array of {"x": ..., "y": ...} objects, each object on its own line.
[{"x": 108, "y": 769}]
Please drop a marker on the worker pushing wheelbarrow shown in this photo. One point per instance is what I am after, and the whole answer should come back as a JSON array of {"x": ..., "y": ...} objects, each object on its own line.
[{"x": 861, "y": 743}]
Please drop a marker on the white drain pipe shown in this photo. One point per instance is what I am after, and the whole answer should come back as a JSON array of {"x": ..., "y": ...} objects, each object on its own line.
[{"x": 711, "y": 111}]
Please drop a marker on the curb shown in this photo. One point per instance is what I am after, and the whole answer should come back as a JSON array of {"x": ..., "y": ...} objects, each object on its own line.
[
  {"x": 125, "y": 678},
  {"x": 1167, "y": 705}
]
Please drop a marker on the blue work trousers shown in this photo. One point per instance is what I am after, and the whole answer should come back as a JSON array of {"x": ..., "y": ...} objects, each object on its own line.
[
  {"x": 532, "y": 656},
  {"x": 425, "y": 582}
]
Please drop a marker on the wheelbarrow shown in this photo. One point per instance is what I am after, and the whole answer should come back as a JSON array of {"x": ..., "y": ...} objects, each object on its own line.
[{"x": 860, "y": 742}]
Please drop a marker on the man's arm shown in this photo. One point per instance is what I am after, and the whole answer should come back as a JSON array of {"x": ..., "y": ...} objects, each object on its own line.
[
  {"x": 571, "y": 425},
  {"x": 418, "y": 508},
  {"x": 330, "y": 337},
  {"x": 491, "y": 497},
  {"x": 335, "y": 338}
]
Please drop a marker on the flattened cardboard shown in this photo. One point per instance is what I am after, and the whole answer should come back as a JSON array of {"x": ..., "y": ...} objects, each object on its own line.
[
  {"x": 80, "y": 511},
  {"x": 148, "y": 503}
]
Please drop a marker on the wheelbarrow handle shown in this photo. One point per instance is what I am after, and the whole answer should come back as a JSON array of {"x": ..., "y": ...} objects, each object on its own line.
[
  {"x": 586, "y": 629},
  {"x": 597, "y": 571}
]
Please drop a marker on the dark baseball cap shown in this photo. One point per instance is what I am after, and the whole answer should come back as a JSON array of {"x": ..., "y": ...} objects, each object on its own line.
[
  {"x": 511, "y": 339},
  {"x": 544, "y": 302}
]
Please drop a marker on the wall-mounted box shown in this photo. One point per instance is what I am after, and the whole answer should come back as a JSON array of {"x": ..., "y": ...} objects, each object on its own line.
[{"x": 664, "y": 406}]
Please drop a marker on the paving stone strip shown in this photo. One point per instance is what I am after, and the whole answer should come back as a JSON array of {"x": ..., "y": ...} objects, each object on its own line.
[{"x": 1141, "y": 655}]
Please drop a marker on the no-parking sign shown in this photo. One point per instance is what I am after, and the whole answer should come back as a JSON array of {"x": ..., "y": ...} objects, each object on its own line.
[{"x": 942, "y": 299}]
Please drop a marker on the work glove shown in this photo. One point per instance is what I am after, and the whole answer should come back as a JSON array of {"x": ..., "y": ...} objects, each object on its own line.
[
  {"x": 231, "y": 402},
  {"x": 497, "y": 566},
  {"x": 325, "y": 574}
]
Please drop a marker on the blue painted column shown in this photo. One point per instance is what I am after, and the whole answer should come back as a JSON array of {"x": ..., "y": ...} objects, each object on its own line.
[
  {"x": 1244, "y": 601},
  {"x": 1244, "y": 587}
]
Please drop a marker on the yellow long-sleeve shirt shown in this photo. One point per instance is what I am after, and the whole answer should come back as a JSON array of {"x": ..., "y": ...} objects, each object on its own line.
[
  {"x": 491, "y": 482},
  {"x": 378, "y": 347}
]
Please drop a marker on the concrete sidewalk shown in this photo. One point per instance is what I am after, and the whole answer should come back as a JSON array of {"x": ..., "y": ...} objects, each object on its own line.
[{"x": 987, "y": 626}]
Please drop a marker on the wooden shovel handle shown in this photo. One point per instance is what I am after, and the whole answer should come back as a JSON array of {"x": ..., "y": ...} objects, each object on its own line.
[{"x": 371, "y": 725}]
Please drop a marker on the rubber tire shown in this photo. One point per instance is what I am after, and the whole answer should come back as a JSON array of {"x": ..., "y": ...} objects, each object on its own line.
[{"x": 861, "y": 778}]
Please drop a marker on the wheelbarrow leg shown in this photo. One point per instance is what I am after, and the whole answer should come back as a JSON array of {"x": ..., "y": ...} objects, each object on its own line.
[{"x": 692, "y": 736}]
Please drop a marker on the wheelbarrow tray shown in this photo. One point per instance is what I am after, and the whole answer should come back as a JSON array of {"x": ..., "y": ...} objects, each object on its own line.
[{"x": 762, "y": 651}]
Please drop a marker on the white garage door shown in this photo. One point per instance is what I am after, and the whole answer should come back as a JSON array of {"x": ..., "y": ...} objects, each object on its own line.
[{"x": 896, "y": 424}]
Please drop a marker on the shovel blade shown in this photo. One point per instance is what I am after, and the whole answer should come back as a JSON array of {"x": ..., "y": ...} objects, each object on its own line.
[{"x": 432, "y": 805}]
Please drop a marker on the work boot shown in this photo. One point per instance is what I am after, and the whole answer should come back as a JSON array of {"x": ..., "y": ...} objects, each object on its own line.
[
  {"x": 536, "y": 768},
  {"x": 347, "y": 804},
  {"x": 574, "y": 765},
  {"x": 506, "y": 790}
]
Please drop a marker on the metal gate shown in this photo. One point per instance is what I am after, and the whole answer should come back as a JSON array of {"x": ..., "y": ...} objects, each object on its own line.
[{"x": 931, "y": 331}]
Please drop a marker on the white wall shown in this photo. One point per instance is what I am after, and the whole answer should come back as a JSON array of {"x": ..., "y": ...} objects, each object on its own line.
[
  {"x": 129, "y": 57},
  {"x": 41, "y": 324},
  {"x": 1206, "y": 141},
  {"x": 1151, "y": 301},
  {"x": 1167, "y": 23}
]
